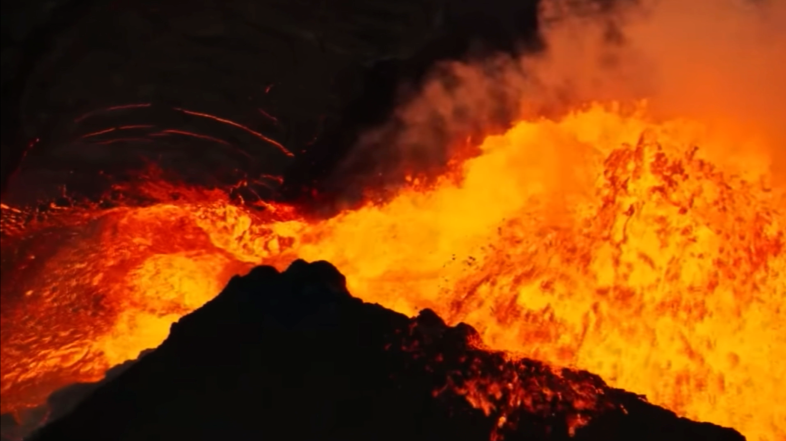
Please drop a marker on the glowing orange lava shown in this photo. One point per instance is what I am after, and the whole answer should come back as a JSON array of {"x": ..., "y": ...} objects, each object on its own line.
[{"x": 602, "y": 241}]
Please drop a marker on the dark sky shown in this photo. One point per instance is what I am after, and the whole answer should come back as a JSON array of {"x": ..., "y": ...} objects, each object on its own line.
[{"x": 308, "y": 74}]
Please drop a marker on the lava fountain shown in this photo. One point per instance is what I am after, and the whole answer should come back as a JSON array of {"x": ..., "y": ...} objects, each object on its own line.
[{"x": 638, "y": 259}]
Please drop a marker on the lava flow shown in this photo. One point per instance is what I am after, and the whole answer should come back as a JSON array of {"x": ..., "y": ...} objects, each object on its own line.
[{"x": 638, "y": 259}]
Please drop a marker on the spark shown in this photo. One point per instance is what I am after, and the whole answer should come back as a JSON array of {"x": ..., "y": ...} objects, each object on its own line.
[
  {"x": 194, "y": 135},
  {"x": 111, "y": 109},
  {"x": 115, "y": 141},
  {"x": 137, "y": 126},
  {"x": 200, "y": 136},
  {"x": 269, "y": 116},
  {"x": 278, "y": 145},
  {"x": 114, "y": 129},
  {"x": 278, "y": 179},
  {"x": 100, "y": 132}
]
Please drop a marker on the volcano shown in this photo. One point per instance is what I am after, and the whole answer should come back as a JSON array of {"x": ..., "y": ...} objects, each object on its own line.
[
  {"x": 550, "y": 202},
  {"x": 533, "y": 280},
  {"x": 294, "y": 354}
]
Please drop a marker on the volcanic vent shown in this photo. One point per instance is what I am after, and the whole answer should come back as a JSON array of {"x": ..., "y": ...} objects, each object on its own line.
[{"x": 640, "y": 240}]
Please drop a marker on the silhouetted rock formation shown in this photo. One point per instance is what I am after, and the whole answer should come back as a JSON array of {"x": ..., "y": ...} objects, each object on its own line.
[
  {"x": 60, "y": 403},
  {"x": 293, "y": 356}
]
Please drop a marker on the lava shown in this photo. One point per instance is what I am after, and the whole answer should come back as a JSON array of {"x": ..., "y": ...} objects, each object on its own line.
[{"x": 603, "y": 240}]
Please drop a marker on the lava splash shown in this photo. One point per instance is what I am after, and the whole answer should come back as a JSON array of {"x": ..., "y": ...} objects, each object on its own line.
[{"x": 602, "y": 240}]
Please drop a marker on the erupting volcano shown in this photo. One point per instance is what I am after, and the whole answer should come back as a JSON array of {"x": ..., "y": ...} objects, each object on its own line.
[
  {"x": 665, "y": 276},
  {"x": 606, "y": 235}
]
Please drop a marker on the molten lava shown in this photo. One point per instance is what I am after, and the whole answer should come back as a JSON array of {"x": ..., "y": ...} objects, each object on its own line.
[{"x": 604, "y": 241}]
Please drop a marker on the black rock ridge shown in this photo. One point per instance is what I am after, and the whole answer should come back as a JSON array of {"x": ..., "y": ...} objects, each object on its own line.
[{"x": 293, "y": 356}]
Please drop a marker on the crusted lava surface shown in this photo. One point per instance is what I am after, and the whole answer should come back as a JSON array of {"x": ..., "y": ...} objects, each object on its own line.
[{"x": 294, "y": 356}]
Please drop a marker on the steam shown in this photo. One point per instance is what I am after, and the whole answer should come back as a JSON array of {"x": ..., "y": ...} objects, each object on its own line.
[
  {"x": 717, "y": 61},
  {"x": 721, "y": 62}
]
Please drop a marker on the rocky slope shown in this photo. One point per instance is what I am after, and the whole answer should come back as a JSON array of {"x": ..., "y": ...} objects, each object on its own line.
[{"x": 294, "y": 356}]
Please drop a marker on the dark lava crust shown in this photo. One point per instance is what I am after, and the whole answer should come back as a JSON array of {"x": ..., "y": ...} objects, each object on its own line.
[{"x": 293, "y": 356}]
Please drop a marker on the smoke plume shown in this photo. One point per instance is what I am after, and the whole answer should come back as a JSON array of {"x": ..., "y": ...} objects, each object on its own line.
[{"x": 720, "y": 62}]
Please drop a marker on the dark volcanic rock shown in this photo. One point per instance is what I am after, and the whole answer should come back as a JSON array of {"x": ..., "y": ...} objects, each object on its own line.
[
  {"x": 60, "y": 403},
  {"x": 309, "y": 74},
  {"x": 294, "y": 356}
]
